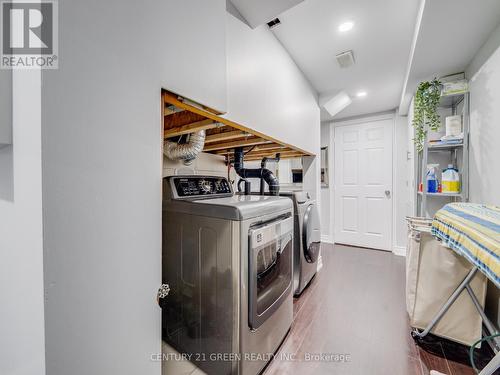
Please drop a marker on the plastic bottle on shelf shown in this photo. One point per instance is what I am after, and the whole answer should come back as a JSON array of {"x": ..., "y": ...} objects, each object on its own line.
[
  {"x": 451, "y": 180},
  {"x": 432, "y": 181}
]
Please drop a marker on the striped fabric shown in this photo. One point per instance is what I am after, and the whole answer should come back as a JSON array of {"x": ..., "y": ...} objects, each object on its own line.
[{"x": 473, "y": 231}]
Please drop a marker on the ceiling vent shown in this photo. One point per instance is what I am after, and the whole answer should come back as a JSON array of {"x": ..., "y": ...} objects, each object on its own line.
[
  {"x": 345, "y": 59},
  {"x": 272, "y": 24}
]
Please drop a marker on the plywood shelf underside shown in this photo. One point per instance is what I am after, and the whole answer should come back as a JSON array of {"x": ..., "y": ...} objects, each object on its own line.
[{"x": 222, "y": 135}]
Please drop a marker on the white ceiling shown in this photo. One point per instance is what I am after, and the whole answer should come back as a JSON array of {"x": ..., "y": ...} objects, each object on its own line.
[
  {"x": 258, "y": 12},
  {"x": 396, "y": 43},
  {"x": 381, "y": 40},
  {"x": 450, "y": 34}
]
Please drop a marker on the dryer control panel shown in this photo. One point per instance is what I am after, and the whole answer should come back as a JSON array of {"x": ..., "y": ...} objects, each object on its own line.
[{"x": 200, "y": 187}]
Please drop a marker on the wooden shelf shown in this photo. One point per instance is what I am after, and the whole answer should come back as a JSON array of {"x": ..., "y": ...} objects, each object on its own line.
[{"x": 182, "y": 117}]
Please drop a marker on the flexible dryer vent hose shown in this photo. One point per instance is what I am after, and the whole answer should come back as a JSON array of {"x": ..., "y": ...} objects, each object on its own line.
[{"x": 187, "y": 151}]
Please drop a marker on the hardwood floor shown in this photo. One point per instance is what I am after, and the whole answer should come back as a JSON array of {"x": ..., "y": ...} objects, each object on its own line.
[{"x": 354, "y": 310}]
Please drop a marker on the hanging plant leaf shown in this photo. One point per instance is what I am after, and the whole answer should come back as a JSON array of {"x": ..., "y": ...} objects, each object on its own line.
[{"x": 425, "y": 110}]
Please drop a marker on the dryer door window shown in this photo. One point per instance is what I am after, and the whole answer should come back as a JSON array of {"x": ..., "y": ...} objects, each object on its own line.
[
  {"x": 270, "y": 269},
  {"x": 311, "y": 235}
]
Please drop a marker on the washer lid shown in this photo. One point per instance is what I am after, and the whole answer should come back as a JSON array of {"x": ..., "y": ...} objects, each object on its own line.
[
  {"x": 238, "y": 207},
  {"x": 298, "y": 195}
]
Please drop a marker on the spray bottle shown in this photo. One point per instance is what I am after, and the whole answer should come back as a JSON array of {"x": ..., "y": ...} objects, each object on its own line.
[{"x": 432, "y": 181}]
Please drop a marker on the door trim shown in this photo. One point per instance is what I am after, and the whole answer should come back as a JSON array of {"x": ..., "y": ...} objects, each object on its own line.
[{"x": 361, "y": 120}]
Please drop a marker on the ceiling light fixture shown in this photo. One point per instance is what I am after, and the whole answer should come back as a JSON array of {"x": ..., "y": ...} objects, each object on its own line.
[
  {"x": 337, "y": 103},
  {"x": 361, "y": 94},
  {"x": 346, "y": 26}
]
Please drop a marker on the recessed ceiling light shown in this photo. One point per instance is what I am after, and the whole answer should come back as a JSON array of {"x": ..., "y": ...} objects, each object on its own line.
[
  {"x": 361, "y": 94},
  {"x": 346, "y": 26}
]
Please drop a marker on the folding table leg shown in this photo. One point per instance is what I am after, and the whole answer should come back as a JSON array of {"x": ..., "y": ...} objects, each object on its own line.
[
  {"x": 488, "y": 324},
  {"x": 446, "y": 306},
  {"x": 492, "y": 366}
]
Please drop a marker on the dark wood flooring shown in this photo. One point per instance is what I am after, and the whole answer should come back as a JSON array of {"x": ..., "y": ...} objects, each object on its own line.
[{"x": 356, "y": 307}]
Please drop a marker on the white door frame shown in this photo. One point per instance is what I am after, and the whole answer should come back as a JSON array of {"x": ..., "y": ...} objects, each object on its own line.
[{"x": 357, "y": 121}]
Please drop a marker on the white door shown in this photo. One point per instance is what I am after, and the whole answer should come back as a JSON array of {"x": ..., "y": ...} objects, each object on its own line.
[{"x": 363, "y": 184}]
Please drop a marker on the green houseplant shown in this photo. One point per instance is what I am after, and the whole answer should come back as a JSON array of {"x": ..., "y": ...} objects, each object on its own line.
[{"x": 425, "y": 110}]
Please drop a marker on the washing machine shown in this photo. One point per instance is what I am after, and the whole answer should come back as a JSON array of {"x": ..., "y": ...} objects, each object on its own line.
[
  {"x": 228, "y": 260},
  {"x": 307, "y": 236}
]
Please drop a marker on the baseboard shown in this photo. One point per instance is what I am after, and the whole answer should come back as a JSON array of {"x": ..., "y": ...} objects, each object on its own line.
[
  {"x": 326, "y": 238},
  {"x": 399, "y": 250}
]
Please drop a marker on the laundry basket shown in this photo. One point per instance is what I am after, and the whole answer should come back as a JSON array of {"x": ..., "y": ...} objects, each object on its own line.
[{"x": 433, "y": 272}]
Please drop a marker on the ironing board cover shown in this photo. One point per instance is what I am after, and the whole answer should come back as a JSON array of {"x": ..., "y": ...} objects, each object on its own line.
[{"x": 473, "y": 231}]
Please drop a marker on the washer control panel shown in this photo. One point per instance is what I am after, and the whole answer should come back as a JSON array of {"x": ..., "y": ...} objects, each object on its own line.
[{"x": 201, "y": 186}]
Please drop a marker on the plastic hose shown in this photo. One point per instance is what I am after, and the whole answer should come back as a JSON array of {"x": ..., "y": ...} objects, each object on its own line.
[{"x": 471, "y": 350}]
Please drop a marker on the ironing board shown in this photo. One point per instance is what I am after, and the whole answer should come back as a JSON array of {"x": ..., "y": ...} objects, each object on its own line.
[{"x": 473, "y": 231}]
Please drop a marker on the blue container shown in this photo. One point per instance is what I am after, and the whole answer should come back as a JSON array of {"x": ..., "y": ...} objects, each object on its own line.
[{"x": 432, "y": 181}]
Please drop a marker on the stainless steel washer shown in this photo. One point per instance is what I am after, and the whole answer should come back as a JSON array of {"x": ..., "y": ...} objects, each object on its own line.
[
  {"x": 228, "y": 260},
  {"x": 307, "y": 238}
]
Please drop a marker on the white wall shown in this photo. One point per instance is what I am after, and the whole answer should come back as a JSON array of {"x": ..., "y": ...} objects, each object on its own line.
[
  {"x": 204, "y": 164},
  {"x": 266, "y": 90},
  {"x": 311, "y": 180},
  {"x": 485, "y": 133},
  {"x": 410, "y": 165},
  {"x": 5, "y": 107},
  {"x": 327, "y": 192},
  {"x": 484, "y": 176},
  {"x": 22, "y": 350},
  {"x": 401, "y": 183},
  {"x": 102, "y": 170},
  {"x": 193, "y": 38},
  {"x": 102, "y": 166}
]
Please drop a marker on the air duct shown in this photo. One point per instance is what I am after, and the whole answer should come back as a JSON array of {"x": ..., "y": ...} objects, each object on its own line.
[{"x": 185, "y": 151}]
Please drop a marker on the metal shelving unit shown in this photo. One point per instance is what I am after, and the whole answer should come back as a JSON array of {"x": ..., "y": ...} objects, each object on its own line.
[{"x": 458, "y": 152}]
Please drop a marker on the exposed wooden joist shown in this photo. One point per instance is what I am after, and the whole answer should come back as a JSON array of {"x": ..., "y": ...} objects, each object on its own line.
[
  {"x": 233, "y": 144},
  {"x": 226, "y": 136},
  {"x": 181, "y": 118},
  {"x": 269, "y": 151},
  {"x": 170, "y": 110},
  {"x": 272, "y": 147},
  {"x": 174, "y": 100},
  {"x": 268, "y": 154},
  {"x": 269, "y": 147},
  {"x": 198, "y": 105},
  {"x": 272, "y": 154},
  {"x": 258, "y": 156},
  {"x": 284, "y": 156},
  {"x": 193, "y": 127}
]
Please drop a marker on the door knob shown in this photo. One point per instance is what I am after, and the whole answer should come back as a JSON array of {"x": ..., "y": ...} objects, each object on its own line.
[
  {"x": 163, "y": 292},
  {"x": 388, "y": 193}
]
